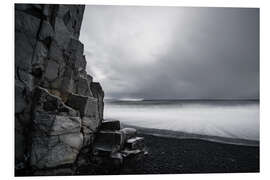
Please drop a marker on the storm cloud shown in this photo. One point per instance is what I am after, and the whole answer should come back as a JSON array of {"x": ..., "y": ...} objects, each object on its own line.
[{"x": 173, "y": 52}]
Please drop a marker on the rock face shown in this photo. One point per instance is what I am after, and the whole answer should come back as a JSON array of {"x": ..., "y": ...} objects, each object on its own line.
[
  {"x": 58, "y": 107},
  {"x": 56, "y": 112}
]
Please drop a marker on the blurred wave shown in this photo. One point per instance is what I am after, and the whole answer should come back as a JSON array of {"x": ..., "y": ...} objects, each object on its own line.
[{"x": 230, "y": 119}]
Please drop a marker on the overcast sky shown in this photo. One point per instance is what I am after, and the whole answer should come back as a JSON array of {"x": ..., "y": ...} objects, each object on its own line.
[{"x": 172, "y": 52}]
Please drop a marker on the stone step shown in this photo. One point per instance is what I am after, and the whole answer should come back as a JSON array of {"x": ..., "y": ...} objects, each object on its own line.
[
  {"x": 135, "y": 143},
  {"x": 110, "y": 125}
]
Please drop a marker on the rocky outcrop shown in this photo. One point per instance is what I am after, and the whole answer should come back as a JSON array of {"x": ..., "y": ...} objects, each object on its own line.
[{"x": 58, "y": 107}]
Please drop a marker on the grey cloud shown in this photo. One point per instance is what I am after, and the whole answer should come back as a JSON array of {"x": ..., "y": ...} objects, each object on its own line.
[{"x": 173, "y": 52}]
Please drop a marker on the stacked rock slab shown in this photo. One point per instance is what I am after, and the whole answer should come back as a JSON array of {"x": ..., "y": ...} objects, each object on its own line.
[
  {"x": 114, "y": 146},
  {"x": 57, "y": 106}
]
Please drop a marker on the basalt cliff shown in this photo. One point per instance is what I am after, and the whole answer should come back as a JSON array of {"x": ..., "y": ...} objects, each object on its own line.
[{"x": 59, "y": 124}]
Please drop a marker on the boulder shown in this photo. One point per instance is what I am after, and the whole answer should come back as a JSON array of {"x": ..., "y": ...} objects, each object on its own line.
[
  {"x": 110, "y": 125},
  {"x": 135, "y": 143},
  {"x": 128, "y": 133},
  {"x": 132, "y": 153},
  {"x": 108, "y": 141}
]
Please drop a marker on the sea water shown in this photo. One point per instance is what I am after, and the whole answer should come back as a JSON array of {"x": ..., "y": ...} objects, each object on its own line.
[{"x": 229, "y": 119}]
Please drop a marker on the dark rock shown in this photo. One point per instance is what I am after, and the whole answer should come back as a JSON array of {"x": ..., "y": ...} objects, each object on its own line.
[
  {"x": 45, "y": 101},
  {"x": 116, "y": 160},
  {"x": 46, "y": 31},
  {"x": 108, "y": 140},
  {"x": 90, "y": 124},
  {"x": 132, "y": 157},
  {"x": 56, "y": 140},
  {"x": 110, "y": 125},
  {"x": 104, "y": 152},
  {"x": 89, "y": 79},
  {"x": 83, "y": 87},
  {"x": 24, "y": 49},
  {"x": 52, "y": 151},
  {"x": 128, "y": 133},
  {"x": 58, "y": 107},
  {"x": 135, "y": 143},
  {"x": 88, "y": 139},
  {"x": 99, "y": 94},
  {"x": 61, "y": 33},
  {"x": 25, "y": 78},
  {"x": 87, "y": 106},
  {"x": 75, "y": 48},
  {"x": 27, "y": 23},
  {"x": 67, "y": 83},
  {"x": 52, "y": 69},
  {"x": 20, "y": 141},
  {"x": 40, "y": 54},
  {"x": 56, "y": 52},
  {"x": 50, "y": 124},
  {"x": 20, "y": 102}
]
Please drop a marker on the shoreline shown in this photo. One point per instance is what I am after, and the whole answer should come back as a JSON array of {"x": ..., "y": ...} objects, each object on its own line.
[{"x": 183, "y": 135}]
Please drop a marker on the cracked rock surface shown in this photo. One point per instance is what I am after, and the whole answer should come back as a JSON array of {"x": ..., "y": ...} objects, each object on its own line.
[{"x": 58, "y": 107}]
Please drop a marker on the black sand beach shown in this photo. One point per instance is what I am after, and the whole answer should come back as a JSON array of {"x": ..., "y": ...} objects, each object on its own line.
[{"x": 172, "y": 155}]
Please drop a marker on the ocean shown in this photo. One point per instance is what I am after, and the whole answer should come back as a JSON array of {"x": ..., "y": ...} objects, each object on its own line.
[{"x": 229, "y": 119}]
